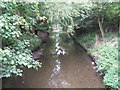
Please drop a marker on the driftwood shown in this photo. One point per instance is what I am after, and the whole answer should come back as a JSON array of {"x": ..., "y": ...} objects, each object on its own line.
[{"x": 37, "y": 54}]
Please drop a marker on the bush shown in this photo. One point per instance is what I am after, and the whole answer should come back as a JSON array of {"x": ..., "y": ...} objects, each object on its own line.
[
  {"x": 108, "y": 62},
  {"x": 107, "y": 51},
  {"x": 13, "y": 60},
  {"x": 34, "y": 41},
  {"x": 15, "y": 53}
]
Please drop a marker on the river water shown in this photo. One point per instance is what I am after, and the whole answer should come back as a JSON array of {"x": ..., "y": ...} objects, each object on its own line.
[{"x": 64, "y": 65}]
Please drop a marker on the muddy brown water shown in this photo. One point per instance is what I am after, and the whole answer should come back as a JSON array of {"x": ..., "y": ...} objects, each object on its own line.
[{"x": 69, "y": 67}]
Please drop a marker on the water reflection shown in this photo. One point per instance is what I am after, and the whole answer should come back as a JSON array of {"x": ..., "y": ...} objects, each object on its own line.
[
  {"x": 58, "y": 49},
  {"x": 56, "y": 77},
  {"x": 56, "y": 70}
]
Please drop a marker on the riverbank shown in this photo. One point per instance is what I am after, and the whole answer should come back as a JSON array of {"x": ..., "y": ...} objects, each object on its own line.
[{"x": 105, "y": 53}]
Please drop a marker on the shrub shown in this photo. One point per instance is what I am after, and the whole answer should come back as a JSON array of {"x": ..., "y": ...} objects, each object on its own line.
[
  {"x": 107, "y": 52},
  {"x": 108, "y": 62},
  {"x": 15, "y": 53},
  {"x": 13, "y": 60},
  {"x": 34, "y": 41}
]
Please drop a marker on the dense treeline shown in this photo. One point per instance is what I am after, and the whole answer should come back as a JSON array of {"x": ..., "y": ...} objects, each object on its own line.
[{"x": 21, "y": 23}]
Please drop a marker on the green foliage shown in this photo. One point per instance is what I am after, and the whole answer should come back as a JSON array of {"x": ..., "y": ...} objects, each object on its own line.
[
  {"x": 112, "y": 13},
  {"x": 61, "y": 13},
  {"x": 111, "y": 77},
  {"x": 34, "y": 41},
  {"x": 31, "y": 12},
  {"x": 13, "y": 61},
  {"x": 15, "y": 53},
  {"x": 107, "y": 12},
  {"x": 9, "y": 30},
  {"x": 107, "y": 52},
  {"x": 108, "y": 62}
]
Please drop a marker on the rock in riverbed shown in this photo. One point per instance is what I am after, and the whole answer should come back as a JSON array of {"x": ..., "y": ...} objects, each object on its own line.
[{"x": 37, "y": 54}]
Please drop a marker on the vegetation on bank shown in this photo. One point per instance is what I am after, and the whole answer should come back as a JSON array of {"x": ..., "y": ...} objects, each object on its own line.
[
  {"x": 97, "y": 31},
  {"x": 105, "y": 53},
  {"x": 15, "y": 52},
  {"x": 34, "y": 40},
  {"x": 18, "y": 40}
]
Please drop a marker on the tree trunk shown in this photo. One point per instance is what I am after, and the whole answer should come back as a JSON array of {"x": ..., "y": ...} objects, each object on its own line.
[{"x": 100, "y": 23}]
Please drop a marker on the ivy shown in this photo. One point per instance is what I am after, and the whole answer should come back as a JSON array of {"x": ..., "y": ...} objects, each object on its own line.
[{"x": 15, "y": 54}]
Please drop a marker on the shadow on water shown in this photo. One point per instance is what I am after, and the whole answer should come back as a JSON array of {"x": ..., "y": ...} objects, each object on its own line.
[{"x": 64, "y": 65}]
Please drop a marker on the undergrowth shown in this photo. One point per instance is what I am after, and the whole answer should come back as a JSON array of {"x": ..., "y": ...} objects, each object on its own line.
[
  {"x": 107, "y": 52},
  {"x": 34, "y": 41}
]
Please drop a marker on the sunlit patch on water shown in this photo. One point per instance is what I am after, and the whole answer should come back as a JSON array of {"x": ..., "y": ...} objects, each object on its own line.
[
  {"x": 58, "y": 83},
  {"x": 59, "y": 50},
  {"x": 55, "y": 79},
  {"x": 57, "y": 68},
  {"x": 65, "y": 84}
]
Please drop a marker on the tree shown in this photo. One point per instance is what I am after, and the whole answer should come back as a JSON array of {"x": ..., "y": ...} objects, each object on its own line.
[
  {"x": 61, "y": 13},
  {"x": 106, "y": 14}
]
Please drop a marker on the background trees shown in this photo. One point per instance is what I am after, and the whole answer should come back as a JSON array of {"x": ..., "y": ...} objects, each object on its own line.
[{"x": 102, "y": 16}]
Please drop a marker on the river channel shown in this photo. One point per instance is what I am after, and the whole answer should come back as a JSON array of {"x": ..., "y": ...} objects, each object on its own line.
[{"x": 64, "y": 65}]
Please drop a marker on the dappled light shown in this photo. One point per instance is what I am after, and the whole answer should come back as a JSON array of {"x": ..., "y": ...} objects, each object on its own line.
[{"x": 58, "y": 44}]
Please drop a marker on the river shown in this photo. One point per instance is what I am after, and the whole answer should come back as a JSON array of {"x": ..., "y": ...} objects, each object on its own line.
[{"x": 64, "y": 65}]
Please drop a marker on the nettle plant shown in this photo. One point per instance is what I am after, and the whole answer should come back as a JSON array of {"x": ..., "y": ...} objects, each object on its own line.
[{"x": 15, "y": 53}]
